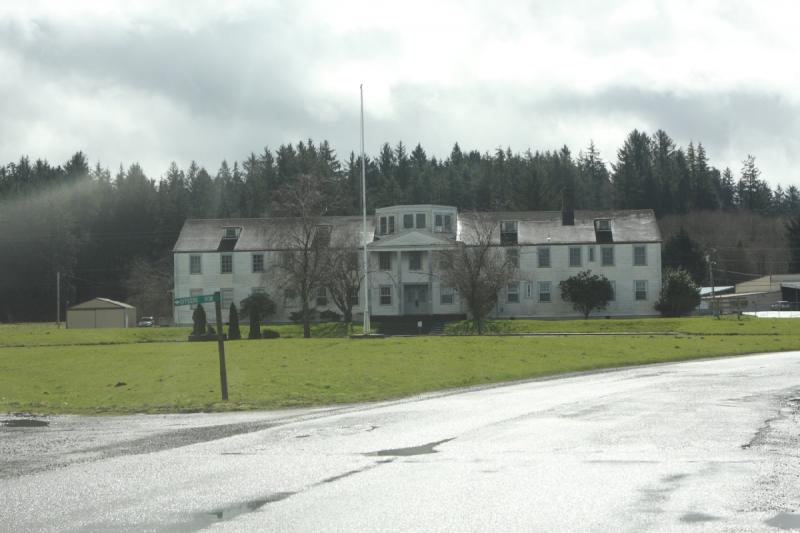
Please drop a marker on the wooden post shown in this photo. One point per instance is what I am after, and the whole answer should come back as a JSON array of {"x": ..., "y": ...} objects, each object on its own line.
[{"x": 223, "y": 374}]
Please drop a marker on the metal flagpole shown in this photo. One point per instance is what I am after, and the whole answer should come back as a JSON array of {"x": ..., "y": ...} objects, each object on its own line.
[{"x": 364, "y": 217}]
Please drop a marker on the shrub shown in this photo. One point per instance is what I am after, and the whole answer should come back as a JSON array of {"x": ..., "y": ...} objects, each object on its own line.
[
  {"x": 587, "y": 292},
  {"x": 330, "y": 316},
  {"x": 234, "y": 332},
  {"x": 270, "y": 334},
  {"x": 297, "y": 316},
  {"x": 199, "y": 319},
  {"x": 679, "y": 295}
]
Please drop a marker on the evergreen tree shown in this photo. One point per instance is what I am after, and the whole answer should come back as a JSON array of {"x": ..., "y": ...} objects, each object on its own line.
[{"x": 233, "y": 323}]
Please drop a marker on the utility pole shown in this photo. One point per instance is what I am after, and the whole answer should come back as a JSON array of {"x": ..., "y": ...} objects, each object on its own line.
[
  {"x": 223, "y": 373},
  {"x": 364, "y": 217},
  {"x": 58, "y": 299},
  {"x": 714, "y": 309}
]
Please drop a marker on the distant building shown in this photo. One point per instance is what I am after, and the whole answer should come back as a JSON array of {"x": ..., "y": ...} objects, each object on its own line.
[
  {"x": 101, "y": 313},
  {"x": 759, "y": 294},
  {"x": 234, "y": 256}
]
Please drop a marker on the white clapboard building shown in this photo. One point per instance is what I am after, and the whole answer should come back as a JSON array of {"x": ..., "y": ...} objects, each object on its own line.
[{"x": 236, "y": 257}]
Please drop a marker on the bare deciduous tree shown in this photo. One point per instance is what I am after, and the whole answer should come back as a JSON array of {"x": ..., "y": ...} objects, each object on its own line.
[
  {"x": 303, "y": 238},
  {"x": 478, "y": 267},
  {"x": 343, "y": 277}
]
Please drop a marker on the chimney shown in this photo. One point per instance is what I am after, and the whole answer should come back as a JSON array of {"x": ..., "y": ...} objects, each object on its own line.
[{"x": 567, "y": 205}]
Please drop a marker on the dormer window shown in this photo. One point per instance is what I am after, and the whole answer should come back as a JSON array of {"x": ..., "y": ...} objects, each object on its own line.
[
  {"x": 232, "y": 233},
  {"x": 602, "y": 230},
  {"x": 508, "y": 232}
]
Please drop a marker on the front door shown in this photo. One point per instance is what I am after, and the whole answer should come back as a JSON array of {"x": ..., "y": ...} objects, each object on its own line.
[{"x": 415, "y": 300}]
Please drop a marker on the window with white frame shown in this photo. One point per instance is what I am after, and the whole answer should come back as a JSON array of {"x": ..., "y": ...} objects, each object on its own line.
[
  {"x": 448, "y": 223},
  {"x": 591, "y": 254},
  {"x": 385, "y": 260},
  {"x": 543, "y": 257},
  {"x": 353, "y": 296},
  {"x": 575, "y": 256},
  {"x": 386, "y": 295},
  {"x": 421, "y": 220},
  {"x": 408, "y": 221},
  {"x": 607, "y": 256},
  {"x": 195, "y": 264},
  {"x": 322, "y": 297},
  {"x": 639, "y": 256},
  {"x": 446, "y": 295},
  {"x": 508, "y": 232},
  {"x": 258, "y": 262},
  {"x": 544, "y": 292},
  {"x": 512, "y": 293},
  {"x": 226, "y": 263},
  {"x": 386, "y": 225},
  {"x": 512, "y": 257},
  {"x": 640, "y": 289},
  {"x": 415, "y": 260},
  {"x": 438, "y": 223}
]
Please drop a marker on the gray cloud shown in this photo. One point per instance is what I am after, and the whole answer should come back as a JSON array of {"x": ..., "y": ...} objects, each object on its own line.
[{"x": 154, "y": 91}]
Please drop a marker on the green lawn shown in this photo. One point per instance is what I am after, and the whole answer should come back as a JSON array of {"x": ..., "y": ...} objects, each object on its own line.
[
  {"x": 47, "y": 334},
  {"x": 181, "y": 376},
  {"x": 727, "y": 325}
]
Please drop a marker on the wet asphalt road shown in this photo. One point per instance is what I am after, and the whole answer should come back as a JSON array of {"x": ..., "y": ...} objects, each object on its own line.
[{"x": 709, "y": 445}]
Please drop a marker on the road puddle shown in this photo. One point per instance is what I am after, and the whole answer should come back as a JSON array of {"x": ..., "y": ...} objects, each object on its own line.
[
  {"x": 784, "y": 521},
  {"x": 412, "y": 450},
  {"x": 692, "y": 518},
  {"x": 24, "y": 423}
]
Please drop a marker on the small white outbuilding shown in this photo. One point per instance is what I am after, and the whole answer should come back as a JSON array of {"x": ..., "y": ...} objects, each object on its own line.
[{"x": 101, "y": 313}]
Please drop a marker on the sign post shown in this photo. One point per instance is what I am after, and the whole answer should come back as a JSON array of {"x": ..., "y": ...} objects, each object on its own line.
[
  {"x": 223, "y": 373},
  {"x": 217, "y": 299}
]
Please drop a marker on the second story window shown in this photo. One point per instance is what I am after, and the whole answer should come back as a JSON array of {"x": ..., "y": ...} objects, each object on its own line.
[
  {"x": 421, "y": 220},
  {"x": 408, "y": 221},
  {"x": 442, "y": 223},
  {"x": 512, "y": 256},
  {"x": 639, "y": 256},
  {"x": 258, "y": 262},
  {"x": 322, "y": 236},
  {"x": 448, "y": 223},
  {"x": 226, "y": 263},
  {"x": 508, "y": 232},
  {"x": 385, "y": 260},
  {"x": 543, "y": 257},
  {"x": 194, "y": 264},
  {"x": 415, "y": 261},
  {"x": 575, "y": 256},
  {"x": 386, "y": 225},
  {"x": 607, "y": 256}
]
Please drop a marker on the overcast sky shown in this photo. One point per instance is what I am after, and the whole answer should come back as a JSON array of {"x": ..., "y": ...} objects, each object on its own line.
[{"x": 157, "y": 82}]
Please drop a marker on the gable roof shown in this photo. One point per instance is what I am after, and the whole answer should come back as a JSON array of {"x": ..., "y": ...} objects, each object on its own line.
[
  {"x": 533, "y": 227},
  {"x": 205, "y": 235},
  {"x": 545, "y": 227},
  {"x": 101, "y": 303}
]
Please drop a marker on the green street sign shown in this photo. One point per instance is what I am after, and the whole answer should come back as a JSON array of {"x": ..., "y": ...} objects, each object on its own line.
[{"x": 189, "y": 300}]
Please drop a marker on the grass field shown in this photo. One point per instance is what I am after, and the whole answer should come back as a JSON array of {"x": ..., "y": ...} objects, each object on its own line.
[{"x": 126, "y": 371}]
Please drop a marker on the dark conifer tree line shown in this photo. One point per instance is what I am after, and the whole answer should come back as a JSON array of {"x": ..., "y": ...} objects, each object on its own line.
[{"x": 92, "y": 225}]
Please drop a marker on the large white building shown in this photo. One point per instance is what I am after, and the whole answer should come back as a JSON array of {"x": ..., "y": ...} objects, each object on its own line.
[{"x": 236, "y": 257}]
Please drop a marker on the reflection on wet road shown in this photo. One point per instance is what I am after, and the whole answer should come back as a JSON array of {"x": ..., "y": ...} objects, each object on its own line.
[{"x": 711, "y": 444}]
